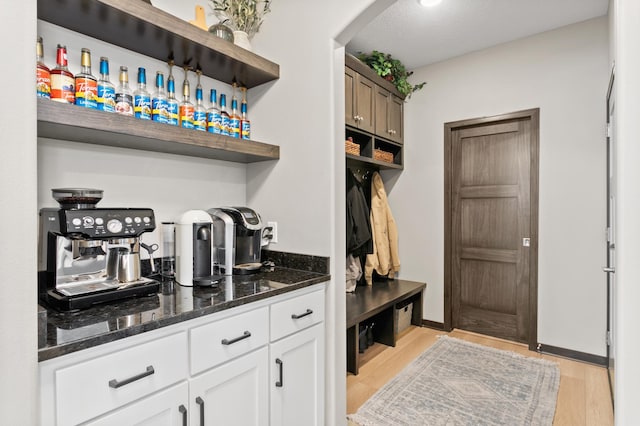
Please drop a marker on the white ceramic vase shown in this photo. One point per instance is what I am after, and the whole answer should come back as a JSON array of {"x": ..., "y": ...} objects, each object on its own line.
[{"x": 240, "y": 38}]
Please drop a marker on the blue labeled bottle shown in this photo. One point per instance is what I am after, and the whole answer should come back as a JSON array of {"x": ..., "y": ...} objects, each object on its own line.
[
  {"x": 106, "y": 89},
  {"x": 214, "y": 119},
  {"x": 224, "y": 120},
  {"x": 199, "y": 111},
  {"x": 141, "y": 97},
  {"x": 159, "y": 102},
  {"x": 173, "y": 106},
  {"x": 245, "y": 123}
]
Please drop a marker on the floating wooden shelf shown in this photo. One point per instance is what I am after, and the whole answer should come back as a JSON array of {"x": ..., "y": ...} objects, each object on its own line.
[
  {"x": 73, "y": 123},
  {"x": 142, "y": 28}
]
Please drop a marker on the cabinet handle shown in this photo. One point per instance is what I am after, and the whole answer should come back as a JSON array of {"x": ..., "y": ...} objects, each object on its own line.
[
  {"x": 245, "y": 335},
  {"x": 200, "y": 402},
  {"x": 116, "y": 384},
  {"x": 183, "y": 411},
  {"x": 279, "y": 382},
  {"x": 308, "y": 312}
]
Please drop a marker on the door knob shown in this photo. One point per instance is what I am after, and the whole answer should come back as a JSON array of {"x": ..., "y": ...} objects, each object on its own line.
[{"x": 607, "y": 270}]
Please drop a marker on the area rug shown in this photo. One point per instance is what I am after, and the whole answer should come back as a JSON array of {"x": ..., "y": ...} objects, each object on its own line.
[{"x": 456, "y": 383}]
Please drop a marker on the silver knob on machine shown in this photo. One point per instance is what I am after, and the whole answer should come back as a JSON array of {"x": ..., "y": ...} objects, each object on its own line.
[{"x": 114, "y": 226}]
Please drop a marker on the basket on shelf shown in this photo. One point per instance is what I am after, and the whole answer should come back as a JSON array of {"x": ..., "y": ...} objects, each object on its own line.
[
  {"x": 381, "y": 155},
  {"x": 351, "y": 147}
]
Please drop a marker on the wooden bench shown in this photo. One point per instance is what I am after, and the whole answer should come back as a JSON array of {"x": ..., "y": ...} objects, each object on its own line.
[{"x": 378, "y": 302}]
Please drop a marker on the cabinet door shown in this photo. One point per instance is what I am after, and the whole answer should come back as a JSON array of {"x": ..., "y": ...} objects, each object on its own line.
[
  {"x": 382, "y": 112},
  {"x": 350, "y": 113},
  {"x": 365, "y": 103},
  {"x": 297, "y": 378},
  {"x": 396, "y": 118},
  {"x": 235, "y": 393},
  {"x": 165, "y": 408}
]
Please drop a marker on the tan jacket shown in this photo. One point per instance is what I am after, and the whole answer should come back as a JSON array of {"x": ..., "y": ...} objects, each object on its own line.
[{"x": 385, "y": 259}]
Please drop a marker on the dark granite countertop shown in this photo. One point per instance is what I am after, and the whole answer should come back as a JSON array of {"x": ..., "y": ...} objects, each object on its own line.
[{"x": 62, "y": 333}]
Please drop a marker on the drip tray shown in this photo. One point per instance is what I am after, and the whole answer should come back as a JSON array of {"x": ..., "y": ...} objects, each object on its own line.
[{"x": 80, "y": 288}]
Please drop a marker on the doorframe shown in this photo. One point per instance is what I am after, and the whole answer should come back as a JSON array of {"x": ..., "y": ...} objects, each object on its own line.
[{"x": 533, "y": 115}]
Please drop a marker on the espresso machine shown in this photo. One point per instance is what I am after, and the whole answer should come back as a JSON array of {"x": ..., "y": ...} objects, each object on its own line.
[
  {"x": 89, "y": 255},
  {"x": 237, "y": 240}
]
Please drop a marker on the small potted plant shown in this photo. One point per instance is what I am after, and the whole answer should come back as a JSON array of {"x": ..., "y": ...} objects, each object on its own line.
[
  {"x": 243, "y": 16},
  {"x": 391, "y": 70}
]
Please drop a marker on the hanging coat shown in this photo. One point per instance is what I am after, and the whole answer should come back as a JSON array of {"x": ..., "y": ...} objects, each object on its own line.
[
  {"x": 358, "y": 225},
  {"x": 384, "y": 260}
]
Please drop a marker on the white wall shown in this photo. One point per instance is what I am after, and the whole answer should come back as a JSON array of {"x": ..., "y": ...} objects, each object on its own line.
[
  {"x": 564, "y": 73},
  {"x": 18, "y": 356},
  {"x": 627, "y": 135}
]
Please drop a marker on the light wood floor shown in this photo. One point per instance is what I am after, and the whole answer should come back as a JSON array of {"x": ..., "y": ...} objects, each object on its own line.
[{"x": 583, "y": 397}]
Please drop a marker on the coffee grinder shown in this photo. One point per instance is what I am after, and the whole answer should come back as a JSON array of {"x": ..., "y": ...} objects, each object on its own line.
[{"x": 90, "y": 255}]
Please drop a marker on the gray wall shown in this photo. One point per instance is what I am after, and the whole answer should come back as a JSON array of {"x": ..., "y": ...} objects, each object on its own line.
[{"x": 564, "y": 73}]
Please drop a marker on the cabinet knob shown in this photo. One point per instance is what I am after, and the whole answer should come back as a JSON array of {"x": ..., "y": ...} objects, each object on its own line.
[{"x": 355, "y": 117}]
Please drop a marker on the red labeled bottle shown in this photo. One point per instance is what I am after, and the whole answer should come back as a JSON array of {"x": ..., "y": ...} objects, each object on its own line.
[
  {"x": 62, "y": 83},
  {"x": 86, "y": 83},
  {"x": 43, "y": 73}
]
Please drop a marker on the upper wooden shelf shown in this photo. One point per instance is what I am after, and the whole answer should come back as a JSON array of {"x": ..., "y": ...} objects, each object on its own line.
[
  {"x": 73, "y": 123},
  {"x": 140, "y": 27}
]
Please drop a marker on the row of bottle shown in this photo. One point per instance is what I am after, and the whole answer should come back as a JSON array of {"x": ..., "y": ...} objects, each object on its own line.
[{"x": 84, "y": 89}]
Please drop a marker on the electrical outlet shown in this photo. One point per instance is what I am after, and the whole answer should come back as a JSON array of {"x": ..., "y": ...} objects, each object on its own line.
[{"x": 274, "y": 231}]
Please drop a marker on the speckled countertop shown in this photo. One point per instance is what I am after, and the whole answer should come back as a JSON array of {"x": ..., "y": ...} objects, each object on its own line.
[{"x": 60, "y": 333}]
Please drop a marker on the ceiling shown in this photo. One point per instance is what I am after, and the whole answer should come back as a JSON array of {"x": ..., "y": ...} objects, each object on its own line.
[{"x": 419, "y": 36}]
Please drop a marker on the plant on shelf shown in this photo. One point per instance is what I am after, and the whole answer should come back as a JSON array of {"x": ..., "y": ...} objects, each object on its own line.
[
  {"x": 241, "y": 15},
  {"x": 391, "y": 70}
]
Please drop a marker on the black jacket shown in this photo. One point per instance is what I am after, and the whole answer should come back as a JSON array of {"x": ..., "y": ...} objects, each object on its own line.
[{"x": 359, "y": 239}]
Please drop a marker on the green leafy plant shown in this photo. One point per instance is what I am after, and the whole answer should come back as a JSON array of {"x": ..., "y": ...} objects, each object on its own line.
[
  {"x": 241, "y": 15},
  {"x": 391, "y": 70}
]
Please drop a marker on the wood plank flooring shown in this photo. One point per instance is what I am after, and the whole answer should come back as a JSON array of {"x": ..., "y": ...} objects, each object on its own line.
[{"x": 583, "y": 397}]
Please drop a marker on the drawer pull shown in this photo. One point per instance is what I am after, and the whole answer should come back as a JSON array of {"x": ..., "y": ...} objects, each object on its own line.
[
  {"x": 279, "y": 382},
  {"x": 200, "y": 402},
  {"x": 245, "y": 335},
  {"x": 308, "y": 312},
  {"x": 183, "y": 411},
  {"x": 116, "y": 384}
]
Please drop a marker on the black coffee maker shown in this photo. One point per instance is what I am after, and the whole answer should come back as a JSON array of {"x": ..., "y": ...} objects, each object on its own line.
[
  {"x": 237, "y": 240},
  {"x": 90, "y": 255}
]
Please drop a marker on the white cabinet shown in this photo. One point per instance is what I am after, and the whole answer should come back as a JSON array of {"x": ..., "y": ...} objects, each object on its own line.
[
  {"x": 235, "y": 393},
  {"x": 297, "y": 379},
  {"x": 256, "y": 364},
  {"x": 165, "y": 408}
]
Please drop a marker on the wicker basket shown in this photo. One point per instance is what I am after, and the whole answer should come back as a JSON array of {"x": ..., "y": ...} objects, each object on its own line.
[
  {"x": 381, "y": 155},
  {"x": 351, "y": 148}
]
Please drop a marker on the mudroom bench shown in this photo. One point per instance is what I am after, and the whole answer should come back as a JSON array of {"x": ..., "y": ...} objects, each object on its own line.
[{"x": 386, "y": 305}]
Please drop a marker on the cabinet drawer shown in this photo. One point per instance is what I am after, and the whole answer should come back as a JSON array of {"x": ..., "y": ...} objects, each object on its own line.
[
  {"x": 296, "y": 314},
  {"x": 219, "y": 341},
  {"x": 97, "y": 386}
]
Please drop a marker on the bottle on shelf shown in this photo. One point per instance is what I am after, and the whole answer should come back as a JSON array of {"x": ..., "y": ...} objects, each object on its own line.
[
  {"x": 234, "y": 117},
  {"x": 86, "y": 83},
  {"x": 213, "y": 114},
  {"x": 61, "y": 79},
  {"x": 124, "y": 97},
  {"x": 43, "y": 73},
  {"x": 245, "y": 123},
  {"x": 159, "y": 102},
  {"x": 141, "y": 97},
  {"x": 199, "y": 111},
  {"x": 186, "y": 107},
  {"x": 106, "y": 90},
  {"x": 224, "y": 116},
  {"x": 173, "y": 106}
]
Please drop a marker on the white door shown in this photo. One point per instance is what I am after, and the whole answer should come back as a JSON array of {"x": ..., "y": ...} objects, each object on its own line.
[
  {"x": 235, "y": 393},
  {"x": 611, "y": 229},
  {"x": 297, "y": 379},
  {"x": 165, "y": 408}
]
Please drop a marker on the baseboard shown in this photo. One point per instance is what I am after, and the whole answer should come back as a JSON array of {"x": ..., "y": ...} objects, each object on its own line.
[
  {"x": 571, "y": 354},
  {"x": 433, "y": 324}
]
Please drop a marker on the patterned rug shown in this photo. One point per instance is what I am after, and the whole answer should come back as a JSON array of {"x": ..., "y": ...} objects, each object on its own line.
[{"x": 456, "y": 383}]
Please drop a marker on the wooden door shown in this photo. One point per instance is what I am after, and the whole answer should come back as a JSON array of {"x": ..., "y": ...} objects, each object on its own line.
[
  {"x": 382, "y": 112},
  {"x": 350, "y": 113},
  {"x": 491, "y": 227},
  {"x": 396, "y": 119},
  {"x": 365, "y": 103}
]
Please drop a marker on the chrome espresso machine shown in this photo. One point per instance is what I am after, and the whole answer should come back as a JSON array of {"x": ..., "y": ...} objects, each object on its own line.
[{"x": 90, "y": 255}]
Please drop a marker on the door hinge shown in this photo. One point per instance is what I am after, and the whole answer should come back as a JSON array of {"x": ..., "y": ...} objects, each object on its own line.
[
  {"x": 608, "y": 338},
  {"x": 608, "y": 130}
]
